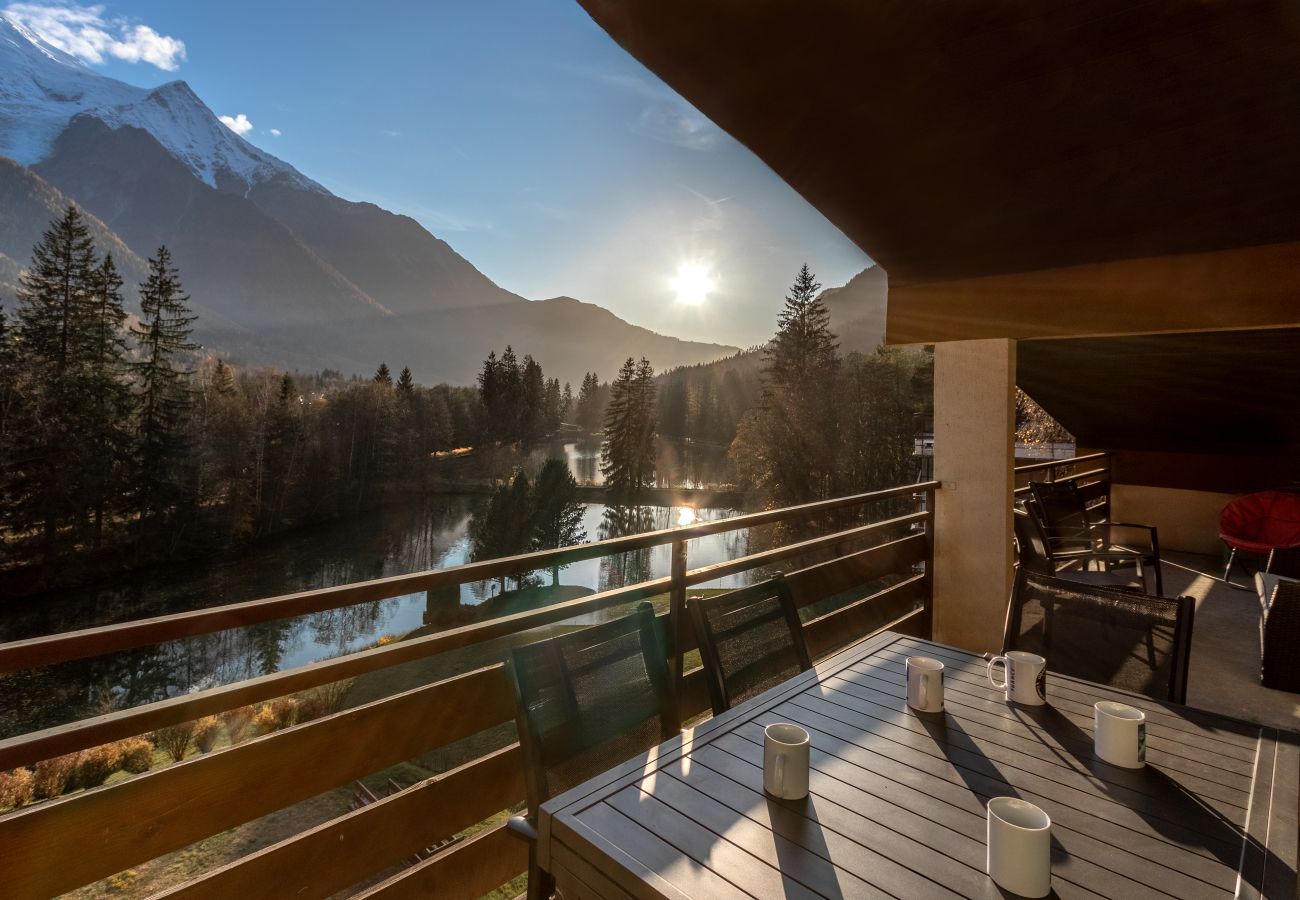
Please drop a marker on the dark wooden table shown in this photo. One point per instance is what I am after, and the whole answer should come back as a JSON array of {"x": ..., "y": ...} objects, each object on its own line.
[{"x": 897, "y": 801}]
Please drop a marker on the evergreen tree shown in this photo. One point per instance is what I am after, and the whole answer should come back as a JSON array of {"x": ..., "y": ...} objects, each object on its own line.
[
  {"x": 406, "y": 385},
  {"x": 383, "y": 376},
  {"x": 557, "y": 512},
  {"x": 164, "y": 398},
  {"x": 509, "y": 423},
  {"x": 505, "y": 527},
  {"x": 48, "y": 449},
  {"x": 804, "y": 348},
  {"x": 588, "y": 412},
  {"x": 797, "y": 425},
  {"x": 108, "y": 398},
  {"x": 491, "y": 395},
  {"x": 627, "y": 458},
  {"x": 552, "y": 406},
  {"x": 532, "y": 401},
  {"x": 566, "y": 403},
  {"x": 281, "y": 455}
]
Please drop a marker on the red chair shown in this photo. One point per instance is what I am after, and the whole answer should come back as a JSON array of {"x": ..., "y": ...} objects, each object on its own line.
[{"x": 1256, "y": 525}]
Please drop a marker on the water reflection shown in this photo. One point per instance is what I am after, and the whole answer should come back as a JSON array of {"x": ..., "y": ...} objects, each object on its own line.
[{"x": 375, "y": 545}]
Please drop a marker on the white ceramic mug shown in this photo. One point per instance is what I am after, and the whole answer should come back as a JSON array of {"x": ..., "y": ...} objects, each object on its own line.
[
  {"x": 1019, "y": 856},
  {"x": 785, "y": 761},
  {"x": 924, "y": 684},
  {"x": 1119, "y": 734},
  {"x": 1025, "y": 680}
]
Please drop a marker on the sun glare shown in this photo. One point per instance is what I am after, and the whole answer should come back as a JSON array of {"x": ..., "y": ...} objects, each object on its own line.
[
  {"x": 693, "y": 283},
  {"x": 686, "y": 516}
]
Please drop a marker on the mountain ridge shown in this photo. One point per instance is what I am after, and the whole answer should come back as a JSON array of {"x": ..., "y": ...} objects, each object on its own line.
[{"x": 282, "y": 271}]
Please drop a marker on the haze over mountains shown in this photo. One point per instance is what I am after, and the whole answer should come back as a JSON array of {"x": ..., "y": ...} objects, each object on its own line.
[{"x": 282, "y": 272}]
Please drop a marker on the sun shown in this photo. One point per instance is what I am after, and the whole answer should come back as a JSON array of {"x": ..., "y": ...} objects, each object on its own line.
[{"x": 693, "y": 283}]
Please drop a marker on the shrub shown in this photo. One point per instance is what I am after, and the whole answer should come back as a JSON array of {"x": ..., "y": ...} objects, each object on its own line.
[
  {"x": 237, "y": 722},
  {"x": 206, "y": 730},
  {"x": 277, "y": 714},
  {"x": 94, "y": 764},
  {"x": 137, "y": 755},
  {"x": 174, "y": 740},
  {"x": 323, "y": 700},
  {"x": 17, "y": 788},
  {"x": 51, "y": 776}
]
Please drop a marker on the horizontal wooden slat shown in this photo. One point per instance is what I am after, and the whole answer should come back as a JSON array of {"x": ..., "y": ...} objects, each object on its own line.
[
  {"x": 41, "y": 651},
  {"x": 847, "y": 572},
  {"x": 1051, "y": 463},
  {"x": 117, "y": 826},
  {"x": 466, "y": 871},
  {"x": 346, "y": 850},
  {"x": 38, "y": 745},
  {"x": 754, "y": 560},
  {"x": 832, "y": 631}
]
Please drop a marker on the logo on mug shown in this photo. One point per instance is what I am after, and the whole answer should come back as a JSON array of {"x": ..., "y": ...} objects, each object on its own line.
[{"x": 1040, "y": 684}]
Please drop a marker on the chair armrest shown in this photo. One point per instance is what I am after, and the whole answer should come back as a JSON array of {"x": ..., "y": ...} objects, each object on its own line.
[
  {"x": 1153, "y": 539},
  {"x": 522, "y": 828}
]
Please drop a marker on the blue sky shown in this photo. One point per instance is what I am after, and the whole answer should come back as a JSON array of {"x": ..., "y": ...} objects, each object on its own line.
[{"x": 515, "y": 130}]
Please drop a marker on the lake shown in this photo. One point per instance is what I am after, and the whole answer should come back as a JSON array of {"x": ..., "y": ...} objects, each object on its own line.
[{"x": 432, "y": 534}]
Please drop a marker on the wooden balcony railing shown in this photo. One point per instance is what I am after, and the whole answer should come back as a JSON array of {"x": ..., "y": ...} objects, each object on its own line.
[
  {"x": 1091, "y": 471},
  {"x": 877, "y": 574}
]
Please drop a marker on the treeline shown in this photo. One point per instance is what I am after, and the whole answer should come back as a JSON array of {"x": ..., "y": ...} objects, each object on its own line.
[
  {"x": 118, "y": 434},
  {"x": 706, "y": 402}
]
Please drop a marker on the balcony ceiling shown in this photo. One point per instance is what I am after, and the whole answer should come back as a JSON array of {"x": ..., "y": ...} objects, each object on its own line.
[
  {"x": 1231, "y": 393},
  {"x": 1019, "y": 169}
]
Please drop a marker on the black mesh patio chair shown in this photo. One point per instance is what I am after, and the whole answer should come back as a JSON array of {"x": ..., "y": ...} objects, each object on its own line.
[
  {"x": 1073, "y": 537},
  {"x": 586, "y": 702},
  {"x": 750, "y": 640},
  {"x": 1111, "y": 636},
  {"x": 1032, "y": 553},
  {"x": 1279, "y": 634}
]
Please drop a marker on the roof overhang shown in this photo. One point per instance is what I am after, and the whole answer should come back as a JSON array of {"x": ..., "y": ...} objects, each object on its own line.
[{"x": 1019, "y": 169}]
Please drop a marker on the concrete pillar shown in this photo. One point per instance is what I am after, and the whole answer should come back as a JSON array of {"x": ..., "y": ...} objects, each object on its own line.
[{"x": 974, "y": 458}]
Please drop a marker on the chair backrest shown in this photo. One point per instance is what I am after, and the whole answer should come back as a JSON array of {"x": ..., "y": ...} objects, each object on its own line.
[
  {"x": 750, "y": 640},
  {"x": 1031, "y": 546},
  {"x": 1063, "y": 514},
  {"x": 1112, "y": 636},
  {"x": 590, "y": 700}
]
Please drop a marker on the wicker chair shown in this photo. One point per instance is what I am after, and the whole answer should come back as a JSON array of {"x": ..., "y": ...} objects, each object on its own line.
[
  {"x": 1112, "y": 636},
  {"x": 1033, "y": 553},
  {"x": 586, "y": 702},
  {"x": 1073, "y": 536},
  {"x": 750, "y": 640},
  {"x": 1279, "y": 633}
]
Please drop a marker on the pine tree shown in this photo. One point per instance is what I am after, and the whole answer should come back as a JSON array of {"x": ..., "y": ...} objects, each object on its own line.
[
  {"x": 49, "y": 450},
  {"x": 383, "y": 376},
  {"x": 566, "y": 403},
  {"x": 552, "y": 406},
  {"x": 109, "y": 397},
  {"x": 588, "y": 412},
  {"x": 491, "y": 394},
  {"x": 406, "y": 385},
  {"x": 804, "y": 347},
  {"x": 627, "y": 458},
  {"x": 532, "y": 401},
  {"x": 796, "y": 430},
  {"x": 164, "y": 399},
  {"x": 507, "y": 426}
]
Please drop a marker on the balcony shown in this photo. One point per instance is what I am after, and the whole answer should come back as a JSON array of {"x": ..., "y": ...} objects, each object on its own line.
[
  {"x": 856, "y": 564},
  {"x": 861, "y": 564}
]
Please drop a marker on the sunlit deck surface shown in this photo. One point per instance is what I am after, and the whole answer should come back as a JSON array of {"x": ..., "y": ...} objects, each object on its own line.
[{"x": 1224, "y": 676}]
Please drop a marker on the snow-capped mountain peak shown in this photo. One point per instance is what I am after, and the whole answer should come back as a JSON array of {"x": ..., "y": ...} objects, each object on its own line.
[{"x": 42, "y": 89}]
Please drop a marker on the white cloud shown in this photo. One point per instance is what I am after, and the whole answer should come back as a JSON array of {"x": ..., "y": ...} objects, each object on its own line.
[
  {"x": 673, "y": 125},
  {"x": 84, "y": 32},
  {"x": 238, "y": 124},
  {"x": 275, "y": 132}
]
